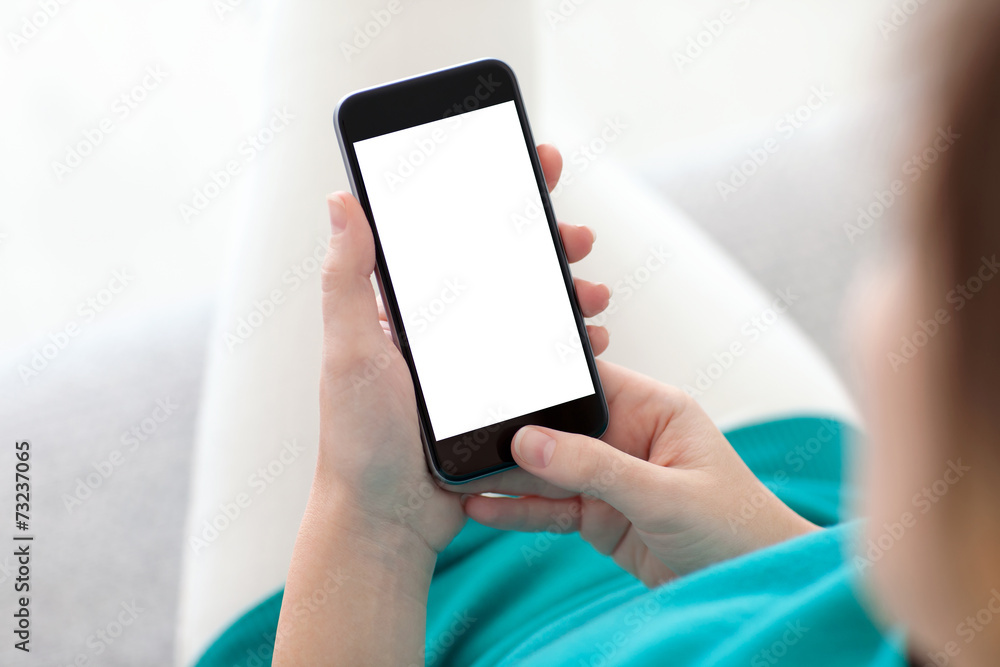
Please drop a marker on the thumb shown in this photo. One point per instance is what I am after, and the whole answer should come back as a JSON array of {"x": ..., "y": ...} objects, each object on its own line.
[
  {"x": 350, "y": 312},
  {"x": 585, "y": 465}
]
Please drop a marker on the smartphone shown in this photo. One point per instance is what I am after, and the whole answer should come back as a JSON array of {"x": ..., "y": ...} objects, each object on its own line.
[{"x": 470, "y": 264}]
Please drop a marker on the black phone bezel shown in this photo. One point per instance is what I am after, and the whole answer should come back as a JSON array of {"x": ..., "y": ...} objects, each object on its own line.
[{"x": 415, "y": 101}]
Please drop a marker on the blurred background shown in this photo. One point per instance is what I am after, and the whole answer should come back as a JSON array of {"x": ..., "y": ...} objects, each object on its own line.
[
  {"x": 121, "y": 237},
  {"x": 65, "y": 233}
]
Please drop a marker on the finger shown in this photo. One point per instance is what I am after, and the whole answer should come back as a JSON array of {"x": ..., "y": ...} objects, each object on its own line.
[
  {"x": 350, "y": 313},
  {"x": 592, "y": 297},
  {"x": 577, "y": 463},
  {"x": 381, "y": 308},
  {"x": 604, "y": 528},
  {"x": 634, "y": 556},
  {"x": 513, "y": 482},
  {"x": 552, "y": 164},
  {"x": 578, "y": 241},
  {"x": 599, "y": 339},
  {"x": 530, "y": 514}
]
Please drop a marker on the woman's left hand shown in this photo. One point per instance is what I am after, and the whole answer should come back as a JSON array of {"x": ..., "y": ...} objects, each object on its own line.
[
  {"x": 370, "y": 451},
  {"x": 376, "y": 520}
]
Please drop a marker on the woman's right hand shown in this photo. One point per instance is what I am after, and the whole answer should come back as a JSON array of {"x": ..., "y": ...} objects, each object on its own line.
[{"x": 662, "y": 492}]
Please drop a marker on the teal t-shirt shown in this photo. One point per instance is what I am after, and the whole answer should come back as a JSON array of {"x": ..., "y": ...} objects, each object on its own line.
[{"x": 505, "y": 598}]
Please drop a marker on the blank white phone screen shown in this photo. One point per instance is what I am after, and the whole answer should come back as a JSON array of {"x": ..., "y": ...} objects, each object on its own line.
[{"x": 474, "y": 268}]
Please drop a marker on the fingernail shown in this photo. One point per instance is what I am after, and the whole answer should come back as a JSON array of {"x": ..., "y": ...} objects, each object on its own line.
[
  {"x": 593, "y": 234},
  {"x": 534, "y": 447},
  {"x": 338, "y": 213}
]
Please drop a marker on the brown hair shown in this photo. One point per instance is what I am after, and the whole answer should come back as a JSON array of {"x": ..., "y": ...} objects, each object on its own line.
[{"x": 958, "y": 242}]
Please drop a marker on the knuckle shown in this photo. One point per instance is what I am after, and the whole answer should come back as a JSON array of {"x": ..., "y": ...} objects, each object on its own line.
[
  {"x": 675, "y": 402},
  {"x": 330, "y": 259},
  {"x": 331, "y": 275},
  {"x": 597, "y": 472},
  {"x": 677, "y": 397}
]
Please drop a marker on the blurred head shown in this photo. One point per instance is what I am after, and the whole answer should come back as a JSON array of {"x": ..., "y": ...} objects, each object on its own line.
[{"x": 931, "y": 363}]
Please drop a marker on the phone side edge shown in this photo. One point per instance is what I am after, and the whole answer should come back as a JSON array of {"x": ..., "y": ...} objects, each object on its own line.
[{"x": 552, "y": 220}]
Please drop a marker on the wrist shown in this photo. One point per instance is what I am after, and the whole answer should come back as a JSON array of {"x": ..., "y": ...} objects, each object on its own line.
[
  {"x": 783, "y": 524},
  {"x": 337, "y": 513},
  {"x": 352, "y": 577}
]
